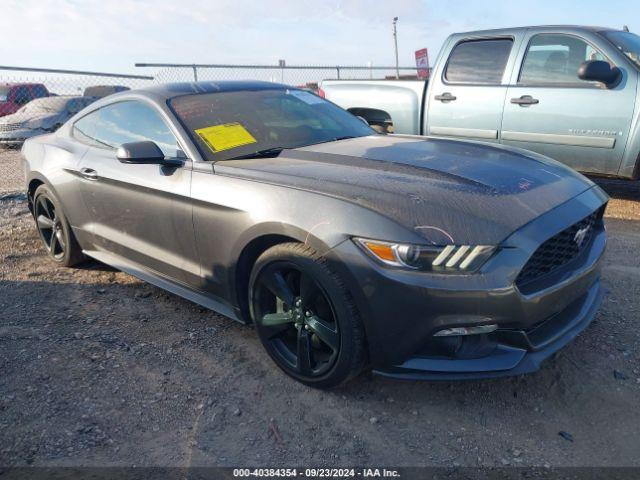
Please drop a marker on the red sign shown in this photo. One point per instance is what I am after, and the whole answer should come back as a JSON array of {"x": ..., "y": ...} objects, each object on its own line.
[{"x": 422, "y": 63}]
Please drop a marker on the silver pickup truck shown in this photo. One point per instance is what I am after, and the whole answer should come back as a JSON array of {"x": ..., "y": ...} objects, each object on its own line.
[{"x": 567, "y": 92}]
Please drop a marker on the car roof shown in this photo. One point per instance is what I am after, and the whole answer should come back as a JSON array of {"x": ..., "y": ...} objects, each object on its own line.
[
  {"x": 20, "y": 84},
  {"x": 60, "y": 98},
  {"x": 506, "y": 31},
  {"x": 172, "y": 90}
]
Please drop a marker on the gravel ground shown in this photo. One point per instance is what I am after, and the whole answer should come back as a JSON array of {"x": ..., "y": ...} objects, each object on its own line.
[
  {"x": 11, "y": 173},
  {"x": 99, "y": 368}
]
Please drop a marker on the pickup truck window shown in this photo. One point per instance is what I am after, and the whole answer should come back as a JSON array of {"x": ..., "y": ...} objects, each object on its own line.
[
  {"x": 39, "y": 91},
  {"x": 22, "y": 95},
  {"x": 555, "y": 59},
  {"x": 628, "y": 43},
  {"x": 478, "y": 61}
]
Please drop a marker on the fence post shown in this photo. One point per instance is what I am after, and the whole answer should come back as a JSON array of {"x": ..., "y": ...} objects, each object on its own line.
[
  {"x": 195, "y": 73},
  {"x": 338, "y": 72}
]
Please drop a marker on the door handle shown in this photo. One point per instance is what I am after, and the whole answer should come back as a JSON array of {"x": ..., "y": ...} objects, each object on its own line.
[
  {"x": 89, "y": 173},
  {"x": 445, "y": 97},
  {"x": 525, "y": 100}
]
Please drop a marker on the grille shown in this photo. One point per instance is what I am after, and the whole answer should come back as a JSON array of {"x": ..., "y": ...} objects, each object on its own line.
[
  {"x": 9, "y": 127},
  {"x": 558, "y": 250}
]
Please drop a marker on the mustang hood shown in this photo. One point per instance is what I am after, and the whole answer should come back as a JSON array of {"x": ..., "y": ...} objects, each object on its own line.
[{"x": 446, "y": 191}]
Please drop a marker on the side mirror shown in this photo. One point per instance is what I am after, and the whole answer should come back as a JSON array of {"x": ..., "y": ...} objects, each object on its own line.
[
  {"x": 146, "y": 152},
  {"x": 599, "y": 71}
]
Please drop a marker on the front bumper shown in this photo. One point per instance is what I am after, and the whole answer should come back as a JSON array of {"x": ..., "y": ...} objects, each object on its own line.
[
  {"x": 402, "y": 310},
  {"x": 18, "y": 137},
  {"x": 506, "y": 359}
]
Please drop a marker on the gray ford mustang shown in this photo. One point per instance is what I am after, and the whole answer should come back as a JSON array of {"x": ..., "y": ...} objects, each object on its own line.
[{"x": 347, "y": 249}]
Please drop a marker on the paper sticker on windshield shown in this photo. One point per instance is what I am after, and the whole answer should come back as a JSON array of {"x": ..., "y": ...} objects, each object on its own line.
[
  {"x": 225, "y": 137},
  {"x": 306, "y": 97}
]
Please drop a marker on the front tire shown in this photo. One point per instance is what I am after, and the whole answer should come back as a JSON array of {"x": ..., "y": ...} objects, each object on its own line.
[
  {"x": 305, "y": 317},
  {"x": 54, "y": 229}
]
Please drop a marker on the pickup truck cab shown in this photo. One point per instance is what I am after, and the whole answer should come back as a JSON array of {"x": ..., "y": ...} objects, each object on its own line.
[
  {"x": 14, "y": 96},
  {"x": 567, "y": 92}
]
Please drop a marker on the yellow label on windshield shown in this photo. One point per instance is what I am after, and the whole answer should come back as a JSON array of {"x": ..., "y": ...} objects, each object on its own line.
[{"x": 225, "y": 137}]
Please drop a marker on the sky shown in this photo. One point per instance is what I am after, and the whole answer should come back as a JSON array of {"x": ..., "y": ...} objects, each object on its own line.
[{"x": 112, "y": 35}]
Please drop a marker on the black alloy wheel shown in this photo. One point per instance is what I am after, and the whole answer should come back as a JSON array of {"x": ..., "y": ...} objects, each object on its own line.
[
  {"x": 50, "y": 227},
  {"x": 296, "y": 317},
  {"x": 303, "y": 317},
  {"x": 54, "y": 229}
]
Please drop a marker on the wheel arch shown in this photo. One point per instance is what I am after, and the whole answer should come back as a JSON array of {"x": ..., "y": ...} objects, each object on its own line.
[
  {"x": 34, "y": 182},
  {"x": 635, "y": 175},
  {"x": 244, "y": 265},
  {"x": 256, "y": 241},
  {"x": 375, "y": 117}
]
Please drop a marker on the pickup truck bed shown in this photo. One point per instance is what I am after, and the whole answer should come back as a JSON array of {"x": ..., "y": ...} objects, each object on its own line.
[{"x": 375, "y": 99}]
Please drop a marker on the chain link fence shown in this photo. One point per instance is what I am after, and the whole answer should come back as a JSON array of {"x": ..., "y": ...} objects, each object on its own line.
[
  {"x": 11, "y": 172},
  {"x": 307, "y": 76},
  {"x": 36, "y": 101}
]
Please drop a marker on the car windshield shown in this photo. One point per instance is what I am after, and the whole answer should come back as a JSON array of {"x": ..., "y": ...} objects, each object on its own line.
[
  {"x": 4, "y": 93},
  {"x": 628, "y": 43},
  {"x": 247, "y": 124}
]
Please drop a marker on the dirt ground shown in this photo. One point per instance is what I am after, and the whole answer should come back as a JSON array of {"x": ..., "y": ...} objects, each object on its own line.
[{"x": 99, "y": 368}]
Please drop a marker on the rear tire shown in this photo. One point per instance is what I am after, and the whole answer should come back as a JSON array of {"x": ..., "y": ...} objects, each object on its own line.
[
  {"x": 305, "y": 317},
  {"x": 54, "y": 229}
]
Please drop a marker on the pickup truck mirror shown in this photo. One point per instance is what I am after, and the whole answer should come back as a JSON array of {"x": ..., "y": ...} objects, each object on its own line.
[
  {"x": 599, "y": 71},
  {"x": 145, "y": 152}
]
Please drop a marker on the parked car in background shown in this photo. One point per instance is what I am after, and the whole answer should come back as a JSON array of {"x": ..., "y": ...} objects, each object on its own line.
[
  {"x": 347, "y": 249},
  {"x": 43, "y": 115},
  {"x": 100, "y": 91},
  {"x": 14, "y": 96},
  {"x": 567, "y": 92}
]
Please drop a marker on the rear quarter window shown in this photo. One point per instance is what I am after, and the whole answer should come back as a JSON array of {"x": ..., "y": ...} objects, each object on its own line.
[
  {"x": 478, "y": 61},
  {"x": 84, "y": 130}
]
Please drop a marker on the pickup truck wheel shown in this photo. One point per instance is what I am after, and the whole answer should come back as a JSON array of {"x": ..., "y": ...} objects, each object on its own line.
[
  {"x": 54, "y": 230},
  {"x": 305, "y": 318}
]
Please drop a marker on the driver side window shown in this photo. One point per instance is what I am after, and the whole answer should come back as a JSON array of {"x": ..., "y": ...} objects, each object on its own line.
[
  {"x": 123, "y": 122},
  {"x": 555, "y": 59}
]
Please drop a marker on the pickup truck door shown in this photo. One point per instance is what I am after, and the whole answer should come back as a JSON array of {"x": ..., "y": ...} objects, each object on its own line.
[
  {"x": 549, "y": 110},
  {"x": 467, "y": 91}
]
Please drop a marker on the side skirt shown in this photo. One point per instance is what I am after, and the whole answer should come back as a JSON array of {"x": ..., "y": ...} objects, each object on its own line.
[{"x": 154, "y": 278}]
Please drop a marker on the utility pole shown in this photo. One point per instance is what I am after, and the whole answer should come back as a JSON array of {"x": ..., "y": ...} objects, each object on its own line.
[{"x": 395, "y": 42}]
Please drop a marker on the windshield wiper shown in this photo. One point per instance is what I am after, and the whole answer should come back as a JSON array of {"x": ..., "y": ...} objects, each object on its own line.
[
  {"x": 275, "y": 151},
  {"x": 267, "y": 152},
  {"x": 336, "y": 139},
  {"x": 346, "y": 137}
]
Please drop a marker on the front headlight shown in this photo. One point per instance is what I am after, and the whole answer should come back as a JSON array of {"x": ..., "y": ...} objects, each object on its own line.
[{"x": 444, "y": 259}]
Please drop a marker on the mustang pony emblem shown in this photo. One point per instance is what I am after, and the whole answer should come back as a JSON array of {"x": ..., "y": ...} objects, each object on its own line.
[{"x": 581, "y": 235}]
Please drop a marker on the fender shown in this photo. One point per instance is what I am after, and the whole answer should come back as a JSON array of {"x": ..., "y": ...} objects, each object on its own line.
[
  {"x": 251, "y": 244},
  {"x": 41, "y": 179}
]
